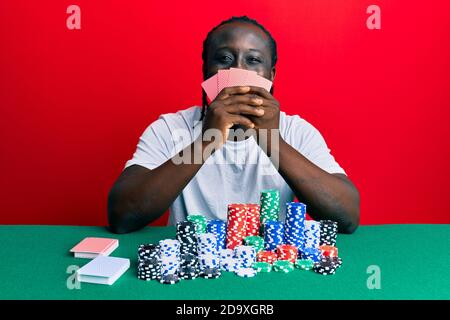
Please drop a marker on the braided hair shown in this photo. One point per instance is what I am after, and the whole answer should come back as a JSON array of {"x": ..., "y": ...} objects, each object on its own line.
[{"x": 206, "y": 42}]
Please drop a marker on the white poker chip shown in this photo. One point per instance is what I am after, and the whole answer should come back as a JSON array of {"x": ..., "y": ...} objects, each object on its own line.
[{"x": 246, "y": 272}]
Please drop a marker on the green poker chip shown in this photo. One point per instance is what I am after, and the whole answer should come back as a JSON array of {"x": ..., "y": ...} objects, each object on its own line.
[
  {"x": 262, "y": 266},
  {"x": 283, "y": 266},
  {"x": 199, "y": 221},
  {"x": 304, "y": 264},
  {"x": 256, "y": 242},
  {"x": 270, "y": 205}
]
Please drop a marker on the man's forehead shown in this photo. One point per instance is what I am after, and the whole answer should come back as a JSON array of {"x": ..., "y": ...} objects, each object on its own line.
[{"x": 239, "y": 35}]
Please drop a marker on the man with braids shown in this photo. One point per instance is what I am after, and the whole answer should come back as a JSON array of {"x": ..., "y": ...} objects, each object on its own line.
[{"x": 155, "y": 178}]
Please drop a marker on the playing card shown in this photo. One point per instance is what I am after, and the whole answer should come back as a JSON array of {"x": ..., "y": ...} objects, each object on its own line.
[
  {"x": 258, "y": 81},
  {"x": 223, "y": 79},
  {"x": 210, "y": 87},
  {"x": 238, "y": 77},
  {"x": 233, "y": 77}
]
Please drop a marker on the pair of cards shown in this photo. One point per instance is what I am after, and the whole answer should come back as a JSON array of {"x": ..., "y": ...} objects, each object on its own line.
[
  {"x": 233, "y": 77},
  {"x": 101, "y": 269}
]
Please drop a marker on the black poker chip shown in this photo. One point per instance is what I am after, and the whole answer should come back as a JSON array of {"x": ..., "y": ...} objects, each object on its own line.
[
  {"x": 336, "y": 261},
  {"x": 169, "y": 279},
  {"x": 211, "y": 273},
  {"x": 328, "y": 232},
  {"x": 148, "y": 251},
  {"x": 325, "y": 267},
  {"x": 149, "y": 268},
  {"x": 187, "y": 237}
]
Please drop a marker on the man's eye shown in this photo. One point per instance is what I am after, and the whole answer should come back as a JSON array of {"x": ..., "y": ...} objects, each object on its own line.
[
  {"x": 225, "y": 58},
  {"x": 254, "y": 60}
]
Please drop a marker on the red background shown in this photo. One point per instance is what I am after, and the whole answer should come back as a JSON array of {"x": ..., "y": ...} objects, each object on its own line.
[{"x": 74, "y": 103}]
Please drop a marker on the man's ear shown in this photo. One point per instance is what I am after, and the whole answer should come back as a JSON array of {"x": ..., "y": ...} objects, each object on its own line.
[{"x": 272, "y": 73}]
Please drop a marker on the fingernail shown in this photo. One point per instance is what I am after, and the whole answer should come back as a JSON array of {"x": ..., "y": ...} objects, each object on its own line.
[{"x": 245, "y": 88}]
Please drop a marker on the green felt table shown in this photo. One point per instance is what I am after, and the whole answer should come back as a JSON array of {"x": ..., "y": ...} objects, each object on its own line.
[{"x": 413, "y": 261}]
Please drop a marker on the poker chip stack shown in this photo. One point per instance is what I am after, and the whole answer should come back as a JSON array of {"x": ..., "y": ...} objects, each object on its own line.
[
  {"x": 270, "y": 205},
  {"x": 199, "y": 221},
  {"x": 208, "y": 256},
  {"x": 312, "y": 234},
  {"x": 246, "y": 255},
  {"x": 328, "y": 232},
  {"x": 187, "y": 237},
  {"x": 207, "y": 244},
  {"x": 170, "y": 256},
  {"x": 252, "y": 219},
  {"x": 149, "y": 262},
  {"x": 255, "y": 241},
  {"x": 189, "y": 267},
  {"x": 295, "y": 224},
  {"x": 273, "y": 234},
  {"x": 236, "y": 226},
  {"x": 287, "y": 252},
  {"x": 218, "y": 228},
  {"x": 207, "y": 251}
]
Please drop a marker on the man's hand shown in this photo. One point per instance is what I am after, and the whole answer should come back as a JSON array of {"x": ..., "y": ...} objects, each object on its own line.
[
  {"x": 233, "y": 107},
  {"x": 269, "y": 121},
  {"x": 271, "y": 118}
]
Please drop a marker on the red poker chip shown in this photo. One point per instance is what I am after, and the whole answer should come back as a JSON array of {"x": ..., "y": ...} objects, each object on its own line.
[
  {"x": 329, "y": 251},
  {"x": 287, "y": 252},
  {"x": 266, "y": 256}
]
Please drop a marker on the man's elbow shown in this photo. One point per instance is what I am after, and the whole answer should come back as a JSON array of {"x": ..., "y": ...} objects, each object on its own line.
[
  {"x": 117, "y": 215},
  {"x": 353, "y": 217},
  {"x": 116, "y": 224},
  {"x": 351, "y": 226},
  {"x": 118, "y": 227}
]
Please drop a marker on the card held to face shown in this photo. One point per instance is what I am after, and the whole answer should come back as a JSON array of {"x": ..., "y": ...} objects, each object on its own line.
[{"x": 233, "y": 77}]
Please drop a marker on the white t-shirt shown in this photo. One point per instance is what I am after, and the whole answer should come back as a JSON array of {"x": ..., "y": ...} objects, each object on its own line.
[{"x": 236, "y": 173}]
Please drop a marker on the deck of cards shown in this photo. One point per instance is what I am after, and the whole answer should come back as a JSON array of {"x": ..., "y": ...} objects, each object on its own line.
[
  {"x": 102, "y": 269},
  {"x": 233, "y": 77}
]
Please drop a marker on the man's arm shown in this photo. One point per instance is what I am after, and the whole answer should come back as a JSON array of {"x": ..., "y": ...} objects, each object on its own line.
[
  {"x": 140, "y": 195},
  {"x": 328, "y": 196}
]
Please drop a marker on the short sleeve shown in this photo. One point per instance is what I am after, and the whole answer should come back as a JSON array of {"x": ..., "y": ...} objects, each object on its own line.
[
  {"x": 311, "y": 144},
  {"x": 152, "y": 149}
]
